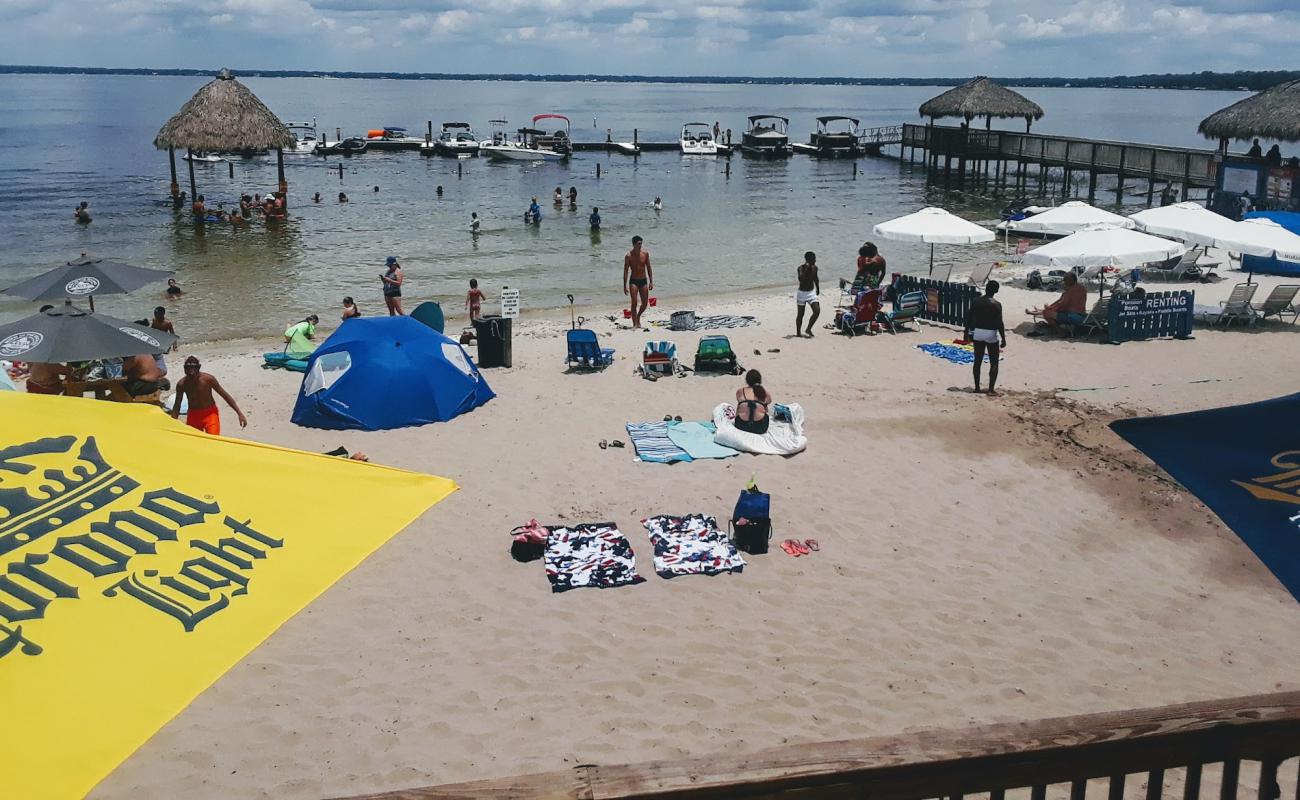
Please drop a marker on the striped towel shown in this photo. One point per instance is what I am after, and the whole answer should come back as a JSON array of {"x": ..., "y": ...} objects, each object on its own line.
[
  {"x": 652, "y": 443},
  {"x": 717, "y": 321}
]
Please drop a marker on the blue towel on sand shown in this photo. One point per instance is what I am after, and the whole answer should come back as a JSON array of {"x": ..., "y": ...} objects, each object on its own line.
[
  {"x": 652, "y": 443},
  {"x": 696, "y": 438},
  {"x": 955, "y": 353}
]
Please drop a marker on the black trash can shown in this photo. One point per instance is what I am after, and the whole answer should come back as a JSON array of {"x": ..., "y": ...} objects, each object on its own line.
[{"x": 493, "y": 335}]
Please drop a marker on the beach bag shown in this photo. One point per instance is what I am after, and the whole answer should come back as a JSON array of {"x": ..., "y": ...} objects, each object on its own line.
[
  {"x": 1034, "y": 280},
  {"x": 753, "y": 533},
  {"x": 682, "y": 321}
]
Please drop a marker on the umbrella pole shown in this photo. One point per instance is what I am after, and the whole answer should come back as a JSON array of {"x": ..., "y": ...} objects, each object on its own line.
[
  {"x": 931, "y": 272},
  {"x": 194, "y": 192},
  {"x": 176, "y": 187}
]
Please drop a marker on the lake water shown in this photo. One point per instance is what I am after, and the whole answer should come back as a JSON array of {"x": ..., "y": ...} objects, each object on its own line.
[{"x": 64, "y": 139}]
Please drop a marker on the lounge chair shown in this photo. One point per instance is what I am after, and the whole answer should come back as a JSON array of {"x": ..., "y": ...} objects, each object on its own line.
[
  {"x": 1097, "y": 317},
  {"x": 585, "y": 351},
  {"x": 849, "y": 290},
  {"x": 659, "y": 357},
  {"x": 907, "y": 308},
  {"x": 1237, "y": 306},
  {"x": 1188, "y": 265},
  {"x": 1279, "y": 303},
  {"x": 714, "y": 354},
  {"x": 865, "y": 308},
  {"x": 980, "y": 275},
  {"x": 941, "y": 273}
]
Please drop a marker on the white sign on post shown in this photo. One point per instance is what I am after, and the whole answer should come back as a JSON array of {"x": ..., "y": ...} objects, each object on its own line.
[{"x": 509, "y": 302}]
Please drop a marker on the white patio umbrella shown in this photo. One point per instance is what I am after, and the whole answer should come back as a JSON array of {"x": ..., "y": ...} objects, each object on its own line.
[
  {"x": 1068, "y": 218},
  {"x": 1195, "y": 224},
  {"x": 933, "y": 226},
  {"x": 1268, "y": 238},
  {"x": 1104, "y": 247}
]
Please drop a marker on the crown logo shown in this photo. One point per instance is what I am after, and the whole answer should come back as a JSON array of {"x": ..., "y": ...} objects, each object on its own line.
[
  {"x": 1282, "y": 486},
  {"x": 51, "y": 482}
]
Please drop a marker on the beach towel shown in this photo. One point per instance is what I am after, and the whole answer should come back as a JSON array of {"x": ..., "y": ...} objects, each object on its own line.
[
  {"x": 652, "y": 443},
  {"x": 589, "y": 555},
  {"x": 716, "y": 321},
  {"x": 691, "y": 545},
  {"x": 781, "y": 439},
  {"x": 951, "y": 351},
  {"x": 696, "y": 438}
]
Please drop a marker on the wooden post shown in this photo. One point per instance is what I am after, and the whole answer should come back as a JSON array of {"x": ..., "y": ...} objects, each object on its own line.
[
  {"x": 428, "y": 133},
  {"x": 460, "y": 169},
  {"x": 231, "y": 170},
  {"x": 1092, "y": 172},
  {"x": 194, "y": 192},
  {"x": 636, "y": 138},
  {"x": 1119, "y": 188},
  {"x": 598, "y": 169},
  {"x": 279, "y": 169},
  {"x": 1187, "y": 173},
  {"x": 176, "y": 188},
  {"x": 1065, "y": 175},
  {"x": 1151, "y": 178},
  {"x": 1042, "y": 165}
]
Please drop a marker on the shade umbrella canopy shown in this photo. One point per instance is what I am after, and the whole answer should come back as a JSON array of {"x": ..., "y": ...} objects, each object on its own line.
[
  {"x": 85, "y": 277},
  {"x": 73, "y": 334},
  {"x": 1195, "y": 224},
  {"x": 981, "y": 97},
  {"x": 1269, "y": 239},
  {"x": 224, "y": 115},
  {"x": 1104, "y": 247},
  {"x": 1073, "y": 216},
  {"x": 933, "y": 226},
  {"x": 1272, "y": 114}
]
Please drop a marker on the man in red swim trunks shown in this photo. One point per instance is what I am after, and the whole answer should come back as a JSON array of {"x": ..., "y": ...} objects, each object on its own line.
[{"x": 197, "y": 387}]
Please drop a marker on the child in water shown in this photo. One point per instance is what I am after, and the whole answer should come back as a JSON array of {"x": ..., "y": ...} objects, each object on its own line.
[
  {"x": 594, "y": 219},
  {"x": 473, "y": 223},
  {"x": 474, "y": 300}
]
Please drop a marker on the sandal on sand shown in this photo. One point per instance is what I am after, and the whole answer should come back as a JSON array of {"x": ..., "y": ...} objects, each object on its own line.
[
  {"x": 812, "y": 544},
  {"x": 798, "y": 545},
  {"x": 603, "y": 444},
  {"x": 617, "y": 443},
  {"x": 789, "y": 547}
]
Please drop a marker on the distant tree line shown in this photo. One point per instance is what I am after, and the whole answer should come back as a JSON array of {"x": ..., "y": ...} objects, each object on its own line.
[{"x": 1248, "y": 80}]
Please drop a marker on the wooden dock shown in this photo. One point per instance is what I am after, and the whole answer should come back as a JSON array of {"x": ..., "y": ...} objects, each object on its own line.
[{"x": 988, "y": 156}]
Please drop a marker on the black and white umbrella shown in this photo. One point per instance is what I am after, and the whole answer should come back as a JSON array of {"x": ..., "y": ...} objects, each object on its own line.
[
  {"x": 86, "y": 277},
  {"x": 73, "y": 334}
]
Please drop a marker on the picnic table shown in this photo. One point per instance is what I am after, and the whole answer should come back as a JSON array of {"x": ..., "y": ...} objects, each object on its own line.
[{"x": 112, "y": 388}]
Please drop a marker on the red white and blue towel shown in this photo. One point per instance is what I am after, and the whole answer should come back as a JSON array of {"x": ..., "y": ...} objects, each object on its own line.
[
  {"x": 595, "y": 555},
  {"x": 691, "y": 545}
]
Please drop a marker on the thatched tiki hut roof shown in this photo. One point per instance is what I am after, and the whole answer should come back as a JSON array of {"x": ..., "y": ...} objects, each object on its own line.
[
  {"x": 982, "y": 97},
  {"x": 224, "y": 115},
  {"x": 1272, "y": 114}
]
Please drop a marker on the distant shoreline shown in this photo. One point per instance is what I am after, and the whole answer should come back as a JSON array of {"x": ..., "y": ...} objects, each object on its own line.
[{"x": 1220, "y": 81}]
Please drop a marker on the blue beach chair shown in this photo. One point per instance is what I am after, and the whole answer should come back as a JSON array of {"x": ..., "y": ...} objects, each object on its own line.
[
  {"x": 585, "y": 351},
  {"x": 907, "y": 308},
  {"x": 659, "y": 358}
]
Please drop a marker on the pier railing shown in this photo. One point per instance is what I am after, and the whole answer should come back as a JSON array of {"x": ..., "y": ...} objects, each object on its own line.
[
  {"x": 1172, "y": 750},
  {"x": 1189, "y": 166}
]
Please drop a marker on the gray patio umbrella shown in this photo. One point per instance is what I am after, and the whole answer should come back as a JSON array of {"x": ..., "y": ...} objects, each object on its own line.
[
  {"x": 86, "y": 277},
  {"x": 74, "y": 334}
]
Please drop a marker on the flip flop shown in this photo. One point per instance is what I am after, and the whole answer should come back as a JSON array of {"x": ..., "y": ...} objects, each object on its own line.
[
  {"x": 603, "y": 444},
  {"x": 812, "y": 544},
  {"x": 798, "y": 545},
  {"x": 617, "y": 443},
  {"x": 668, "y": 417},
  {"x": 791, "y": 547},
  {"x": 677, "y": 419}
]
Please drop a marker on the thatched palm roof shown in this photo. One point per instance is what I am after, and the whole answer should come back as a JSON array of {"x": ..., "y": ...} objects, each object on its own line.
[
  {"x": 981, "y": 98},
  {"x": 1272, "y": 114},
  {"x": 224, "y": 115}
]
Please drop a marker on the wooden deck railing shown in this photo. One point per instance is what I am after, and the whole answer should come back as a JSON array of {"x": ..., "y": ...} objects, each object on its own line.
[{"x": 1167, "y": 746}]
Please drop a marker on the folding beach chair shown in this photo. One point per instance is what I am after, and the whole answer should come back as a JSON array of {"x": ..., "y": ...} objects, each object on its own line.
[
  {"x": 1238, "y": 306},
  {"x": 1098, "y": 317},
  {"x": 980, "y": 275},
  {"x": 906, "y": 308},
  {"x": 849, "y": 290},
  {"x": 1022, "y": 247},
  {"x": 585, "y": 351},
  {"x": 857, "y": 318},
  {"x": 714, "y": 354},
  {"x": 941, "y": 273},
  {"x": 1279, "y": 303},
  {"x": 660, "y": 358}
]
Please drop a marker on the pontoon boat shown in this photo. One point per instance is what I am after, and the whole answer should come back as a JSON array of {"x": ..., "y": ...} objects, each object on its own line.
[{"x": 767, "y": 137}]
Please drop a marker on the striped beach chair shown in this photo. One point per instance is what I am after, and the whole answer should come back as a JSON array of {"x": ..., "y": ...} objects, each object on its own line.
[{"x": 659, "y": 358}]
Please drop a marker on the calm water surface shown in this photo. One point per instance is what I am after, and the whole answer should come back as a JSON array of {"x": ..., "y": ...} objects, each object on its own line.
[{"x": 64, "y": 139}]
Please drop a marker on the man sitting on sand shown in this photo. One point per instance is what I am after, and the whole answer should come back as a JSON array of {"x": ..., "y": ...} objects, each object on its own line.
[
  {"x": 1069, "y": 309},
  {"x": 197, "y": 388},
  {"x": 638, "y": 279},
  {"x": 987, "y": 333}
]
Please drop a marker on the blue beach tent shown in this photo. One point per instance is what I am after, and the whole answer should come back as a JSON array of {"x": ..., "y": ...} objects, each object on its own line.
[
  {"x": 376, "y": 373},
  {"x": 1272, "y": 265}
]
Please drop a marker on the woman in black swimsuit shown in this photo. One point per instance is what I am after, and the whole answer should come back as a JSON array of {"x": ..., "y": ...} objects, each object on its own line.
[{"x": 752, "y": 403}]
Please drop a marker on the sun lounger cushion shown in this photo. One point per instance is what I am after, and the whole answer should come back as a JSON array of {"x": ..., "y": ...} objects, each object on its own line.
[{"x": 781, "y": 439}]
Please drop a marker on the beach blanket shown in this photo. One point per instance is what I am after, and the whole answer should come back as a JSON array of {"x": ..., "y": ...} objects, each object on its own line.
[
  {"x": 653, "y": 444},
  {"x": 714, "y": 322},
  {"x": 781, "y": 439},
  {"x": 951, "y": 351},
  {"x": 696, "y": 438},
  {"x": 691, "y": 545},
  {"x": 1242, "y": 462},
  {"x": 592, "y": 555}
]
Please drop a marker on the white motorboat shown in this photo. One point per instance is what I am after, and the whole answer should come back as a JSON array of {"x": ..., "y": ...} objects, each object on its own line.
[
  {"x": 203, "y": 158},
  {"x": 529, "y": 144},
  {"x": 304, "y": 138},
  {"x": 627, "y": 148},
  {"x": 392, "y": 137},
  {"x": 767, "y": 137},
  {"x": 697, "y": 140},
  {"x": 456, "y": 141}
]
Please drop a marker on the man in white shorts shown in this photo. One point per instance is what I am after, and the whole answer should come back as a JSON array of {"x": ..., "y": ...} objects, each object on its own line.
[
  {"x": 809, "y": 287},
  {"x": 986, "y": 332}
]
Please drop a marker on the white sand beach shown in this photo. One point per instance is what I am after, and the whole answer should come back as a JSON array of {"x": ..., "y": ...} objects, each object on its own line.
[{"x": 982, "y": 559}]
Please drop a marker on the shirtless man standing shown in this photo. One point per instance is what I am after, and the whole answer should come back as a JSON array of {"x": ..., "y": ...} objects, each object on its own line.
[
  {"x": 809, "y": 287},
  {"x": 638, "y": 279},
  {"x": 197, "y": 387}
]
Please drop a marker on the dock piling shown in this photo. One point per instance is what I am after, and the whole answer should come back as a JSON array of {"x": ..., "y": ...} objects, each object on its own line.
[
  {"x": 597, "y": 170},
  {"x": 460, "y": 169},
  {"x": 231, "y": 165}
]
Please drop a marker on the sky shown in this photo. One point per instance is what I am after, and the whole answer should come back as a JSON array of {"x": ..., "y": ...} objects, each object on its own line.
[{"x": 807, "y": 38}]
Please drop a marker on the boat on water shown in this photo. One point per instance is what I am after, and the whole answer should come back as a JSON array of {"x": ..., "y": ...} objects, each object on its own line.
[
  {"x": 627, "y": 148},
  {"x": 529, "y": 144},
  {"x": 353, "y": 145},
  {"x": 304, "y": 138},
  {"x": 457, "y": 140},
  {"x": 767, "y": 137},
  {"x": 392, "y": 137},
  {"x": 837, "y": 137},
  {"x": 697, "y": 140},
  {"x": 202, "y": 158}
]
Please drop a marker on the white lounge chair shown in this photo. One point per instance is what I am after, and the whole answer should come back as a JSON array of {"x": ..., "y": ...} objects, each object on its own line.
[
  {"x": 1178, "y": 269},
  {"x": 1279, "y": 303},
  {"x": 942, "y": 272},
  {"x": 980, "y": 275},
  {"x": 1237, "y": 306}
]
